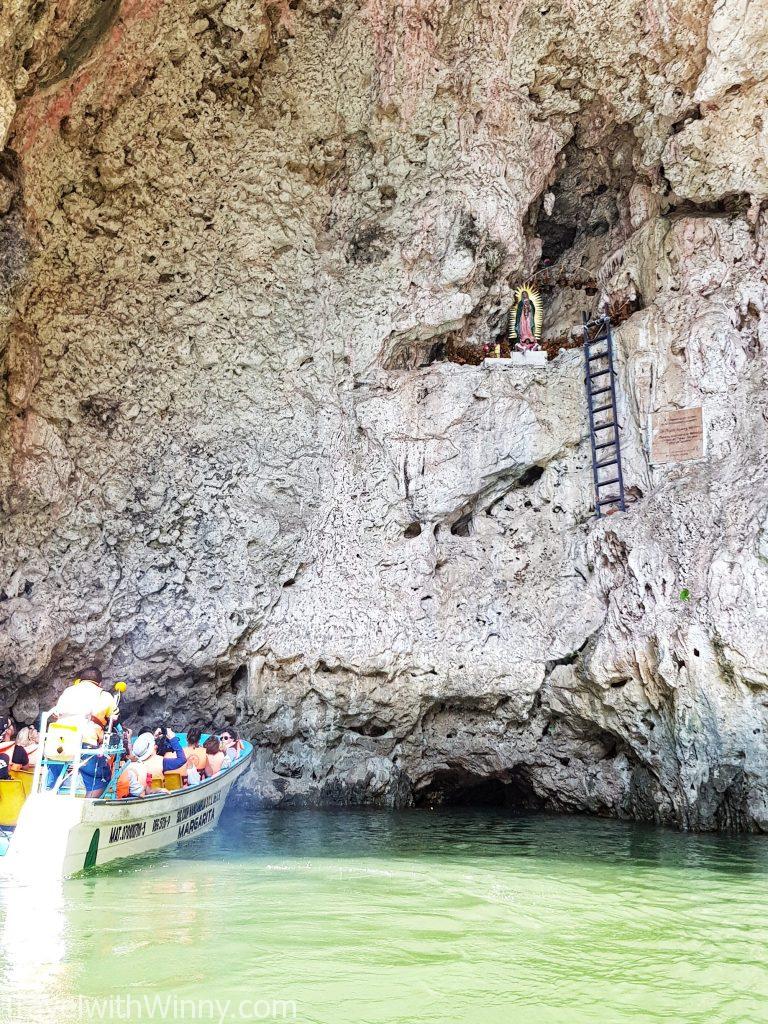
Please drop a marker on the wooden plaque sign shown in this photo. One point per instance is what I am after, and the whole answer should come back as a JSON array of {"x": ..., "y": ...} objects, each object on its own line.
[{"x": 677, "y": 435}]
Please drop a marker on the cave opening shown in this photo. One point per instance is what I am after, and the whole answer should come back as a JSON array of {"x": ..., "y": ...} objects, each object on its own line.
[
  {"x": 239, "y": 677},
  {"x": 530, "y": 476},
  {"x": 456, "y": 787}
]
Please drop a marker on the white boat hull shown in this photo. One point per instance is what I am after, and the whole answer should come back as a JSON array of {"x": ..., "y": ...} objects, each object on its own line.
[{"x": 64, "y": 835}]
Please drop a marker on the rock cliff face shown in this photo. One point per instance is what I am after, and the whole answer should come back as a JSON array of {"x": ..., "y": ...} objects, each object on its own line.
[{"x": 238, "y": 239}]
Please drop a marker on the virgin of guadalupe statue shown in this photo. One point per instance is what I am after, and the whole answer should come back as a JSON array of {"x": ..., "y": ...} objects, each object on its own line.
[{"x": 525, "y": 320}]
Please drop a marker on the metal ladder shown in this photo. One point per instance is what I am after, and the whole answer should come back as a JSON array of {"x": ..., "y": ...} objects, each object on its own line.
[{"x": 600, "y": 379}]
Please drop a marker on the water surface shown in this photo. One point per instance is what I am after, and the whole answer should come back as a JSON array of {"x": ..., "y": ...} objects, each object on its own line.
[{"x": 410, "y": 918}]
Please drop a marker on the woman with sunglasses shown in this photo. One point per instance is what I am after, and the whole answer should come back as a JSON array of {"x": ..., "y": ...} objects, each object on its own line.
[{"x": 231, "y": 746}]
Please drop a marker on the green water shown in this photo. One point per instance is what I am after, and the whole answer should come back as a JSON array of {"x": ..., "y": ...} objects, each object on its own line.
[{"x": 375, "y": 918}]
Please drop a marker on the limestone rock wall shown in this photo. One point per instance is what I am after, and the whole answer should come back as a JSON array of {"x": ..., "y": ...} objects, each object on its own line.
[{"x": 236, "y": 237}]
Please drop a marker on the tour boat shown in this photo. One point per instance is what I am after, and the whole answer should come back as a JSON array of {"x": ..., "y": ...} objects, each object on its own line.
[{"x": 62, "y": 832}]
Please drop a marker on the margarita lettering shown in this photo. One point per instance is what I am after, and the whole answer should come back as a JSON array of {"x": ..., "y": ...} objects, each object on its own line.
[{"x": 196, "y": 823}]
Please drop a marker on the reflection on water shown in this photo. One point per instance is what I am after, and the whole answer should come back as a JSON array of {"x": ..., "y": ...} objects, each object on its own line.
[
  {"x": 32, "y": 939},
  {"x": 414, "y": 917}
]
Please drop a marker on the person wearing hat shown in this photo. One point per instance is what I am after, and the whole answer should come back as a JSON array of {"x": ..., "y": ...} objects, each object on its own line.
[
  {"x": 132, "y": 781},
  {"x": 88, "y": 706}
]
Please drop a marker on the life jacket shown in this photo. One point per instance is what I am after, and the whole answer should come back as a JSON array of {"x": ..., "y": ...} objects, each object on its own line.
[{"x": 123, "y": 790}]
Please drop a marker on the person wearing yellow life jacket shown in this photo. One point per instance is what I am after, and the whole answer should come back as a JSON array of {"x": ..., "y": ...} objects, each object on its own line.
[{"x": 88, "y": 706}]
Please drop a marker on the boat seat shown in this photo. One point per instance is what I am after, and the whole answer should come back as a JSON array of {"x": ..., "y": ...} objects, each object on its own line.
[
  {"x": 12, "y": 797},
  {"x": 25, "y": 776}
]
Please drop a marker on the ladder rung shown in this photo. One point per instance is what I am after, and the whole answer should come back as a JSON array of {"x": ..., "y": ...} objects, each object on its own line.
[
  {"x": 603, "y": 426},
  {"x": 600, "y": 355},
  {"x": 606, "y": 462},
  {"x": 614, "y": 499},
  {"x": 605, "y": 483},
  {"x": 600, "y": 373},
  {"x": 600, "y": 391},
  {"x": 605, "y": 444},
  {"x": 602, "y": 408}
]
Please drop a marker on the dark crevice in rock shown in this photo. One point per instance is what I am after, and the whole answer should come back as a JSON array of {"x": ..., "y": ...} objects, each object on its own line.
[
  {"x": 76, "y": 52},
  {"x": 370, "y": 729},
  {"x": 556, "y": 239},
  {"x": 586, "y": 196},
  {"x": 461, "y": 527},
  {"x": 571, "y": 658},
  {"x": 530, "y": 476},
  {"x": 734, "y": 204},
  {"x": 14, "y": 247},
  {"x": 448, "y": 344},
  {"x": 694, "y": 114},
  {"x": 456, "y": 787}
]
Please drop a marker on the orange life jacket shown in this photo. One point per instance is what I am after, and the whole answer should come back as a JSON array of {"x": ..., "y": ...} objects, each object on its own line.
[{"x": 123, "y": 790}]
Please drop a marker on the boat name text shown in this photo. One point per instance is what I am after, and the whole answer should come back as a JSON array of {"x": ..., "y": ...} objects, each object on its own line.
[
  {"x": 196, "y": 823},
  {"x": 200, "y": 805}
]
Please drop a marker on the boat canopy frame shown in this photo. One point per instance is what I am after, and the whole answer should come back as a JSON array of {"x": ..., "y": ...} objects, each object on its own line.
[{"x": 111, "y": 746}]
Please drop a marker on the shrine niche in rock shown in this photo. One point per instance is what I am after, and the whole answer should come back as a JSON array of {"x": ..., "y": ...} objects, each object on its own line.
[{"x": 524, "y": 331}]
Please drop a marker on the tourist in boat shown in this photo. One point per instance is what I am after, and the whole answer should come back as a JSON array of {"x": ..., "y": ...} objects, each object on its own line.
[
  {"x": 170, "y": 749},
  {"x": 173, "y": 754},
  {"x": 214, "y": 756},
  {"x": 87, "y": 705},
  {"x": 166, "y": 753},
  {"x": 195, "y": 758},
  {"x": 195, "y": 751},
  {"x": 153, "y": 764},
  {"x": 29, "y": 739},
  {"x": 132, "y": 781},
  {"x": 11, "y": 751},
  {"x": 231, "y": 746}
]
